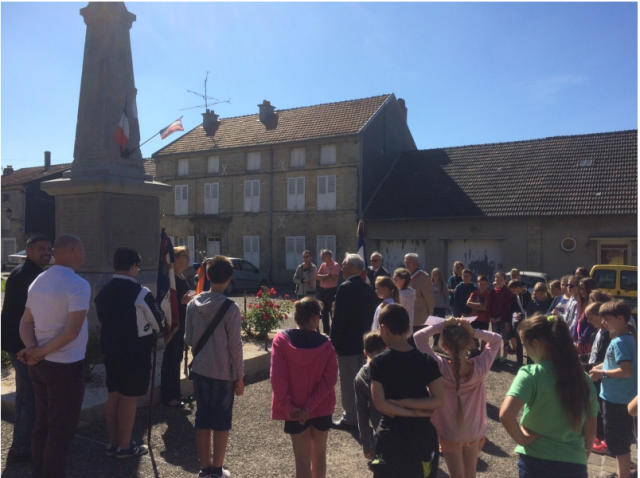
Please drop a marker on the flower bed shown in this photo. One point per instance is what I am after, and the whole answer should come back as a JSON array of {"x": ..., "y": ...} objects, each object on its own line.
[{"x": 265, "y": 313}]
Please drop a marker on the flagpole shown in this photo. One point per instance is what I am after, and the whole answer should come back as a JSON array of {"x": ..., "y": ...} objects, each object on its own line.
[
  {"x": 141, "y": 145},
  {"x": 153, "y": 383}
]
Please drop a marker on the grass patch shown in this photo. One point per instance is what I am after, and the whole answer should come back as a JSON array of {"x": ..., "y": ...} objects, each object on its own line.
[{"x": 4, "y": 283}]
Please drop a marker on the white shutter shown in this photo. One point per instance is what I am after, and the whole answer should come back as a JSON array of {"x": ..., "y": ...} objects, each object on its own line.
[
  {"x": 300, "y": 194},
  {"x": 331, "y": 245},
  {"x": 291, "y": 194},
  {"x": 255, "y": 203},
  {"x": 322, "y": 193},
  {"x": 299, "y": 246},
  {"x": 328, "y": 154},
  {"x": 182, "y": 200},
  {"x": 252, "y": 250},
  {"x": 213, "y": 165},
  {"x": 253, "y": 161},
  {"x": 291, "y": 252},
  {"x": 326, "y": 242},
  {"x": 207, "y": 198},
  {"x": 247, "y": 196},
  {"x": 183, "y": 167},
  {"x": 215, "y": 194},
  {"x": 297, "y": 158},
  {"x": 331, "y": 192},
  {"x": 321, "y": 243},
  {"x": 191, "y": 245}
]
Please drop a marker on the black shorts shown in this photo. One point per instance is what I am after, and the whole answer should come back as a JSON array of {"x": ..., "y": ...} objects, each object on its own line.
[
  {"x": 321, "y": 424},
  {"x": 128, "y": 377},
  {"x": 618, "y": 428},
  {"x": 480, "y": 325}
]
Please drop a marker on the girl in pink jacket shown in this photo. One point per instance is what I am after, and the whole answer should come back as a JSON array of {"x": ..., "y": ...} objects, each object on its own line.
[
  {"x": 462, "y": 423},
  {"x": 304, "y": 372}
]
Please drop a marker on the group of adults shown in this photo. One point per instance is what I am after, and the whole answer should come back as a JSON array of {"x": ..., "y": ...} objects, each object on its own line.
[{"x": 355, "y": 305}]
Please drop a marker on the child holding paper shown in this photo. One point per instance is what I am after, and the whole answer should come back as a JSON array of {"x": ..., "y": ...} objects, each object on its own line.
[{"x": 462, "y": 422}]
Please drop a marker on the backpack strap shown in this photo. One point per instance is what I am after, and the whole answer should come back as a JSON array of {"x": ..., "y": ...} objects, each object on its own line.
[{"x": 210, "y": 329}]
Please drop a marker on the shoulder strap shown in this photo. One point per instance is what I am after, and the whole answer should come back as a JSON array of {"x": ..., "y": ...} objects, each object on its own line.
[{"x": 210, "y": 329}]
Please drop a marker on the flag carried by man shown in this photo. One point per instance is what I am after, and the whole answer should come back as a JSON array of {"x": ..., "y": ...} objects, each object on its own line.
[
  {"x": 361, "y": 252},
  {"x": 167, "y": 295}
]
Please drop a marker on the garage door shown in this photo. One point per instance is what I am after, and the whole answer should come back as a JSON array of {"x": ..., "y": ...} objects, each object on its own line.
[
  {"x": 393, "y": 252},
  {"x": 478, "y": 255}
]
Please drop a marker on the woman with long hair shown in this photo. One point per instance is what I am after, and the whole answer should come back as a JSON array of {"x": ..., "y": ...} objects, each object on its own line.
[
  {"x": 558, "y": 427},
  {"x": 402, "y": 279}
]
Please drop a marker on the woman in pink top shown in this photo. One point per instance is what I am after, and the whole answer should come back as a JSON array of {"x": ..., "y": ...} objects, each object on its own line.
[
  {"x": 304, "y": 372},
  {"x": 328, "y": 274},
  {"x": 462, "y": 422}
]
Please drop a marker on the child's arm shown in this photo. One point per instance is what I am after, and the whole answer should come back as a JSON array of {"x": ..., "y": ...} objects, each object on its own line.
[
  {"x": 362, "y": 409},
  {"x": 388, "y": 408},
  {"x": 632, "y": 408},
  {"x": 422, "y": 340},
  {"x": 509, "y": 418},
  {"x": 233, "y": 325},
  {"x": 279, "y": 382},
  {"x": 328, "y": 382},
  {"x": 475, "y": 305},
  {"x": 436, "y": 400},
  {"x": 491, "y": 350},
  {"x": 589, "y": 431},
  {"x": 625, "y": 371}
]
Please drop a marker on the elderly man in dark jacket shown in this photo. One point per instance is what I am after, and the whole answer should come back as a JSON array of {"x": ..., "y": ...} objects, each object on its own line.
[{"x": 354, "y": 310}]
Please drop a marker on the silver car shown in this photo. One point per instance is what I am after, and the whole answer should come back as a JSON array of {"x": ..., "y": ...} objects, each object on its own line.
[{"x": 246, "y": 276}]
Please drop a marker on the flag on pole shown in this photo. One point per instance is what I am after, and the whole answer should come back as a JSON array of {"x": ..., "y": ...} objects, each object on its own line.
[
  {"x": 361, "y": 252},
  {"x": 122, "y": 132},
  {"x": 172, "y": 128},
  {"x": 203, "y": 280},
  {"x": 167, "y": 295}
]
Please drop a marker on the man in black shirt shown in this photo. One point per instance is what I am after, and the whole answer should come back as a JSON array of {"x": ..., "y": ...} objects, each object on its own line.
[{"x": 38, "y": 255}]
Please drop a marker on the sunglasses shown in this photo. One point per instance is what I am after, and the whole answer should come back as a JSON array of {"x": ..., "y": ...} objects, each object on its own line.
[
  {"x": 571, "y": 286},
  {"x": 305, "y": 257}
]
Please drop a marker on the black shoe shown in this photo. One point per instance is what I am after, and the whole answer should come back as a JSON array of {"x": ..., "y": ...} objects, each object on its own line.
[
  {"x": 17, "y": 457},
  {"x": 342, "y": 424}
]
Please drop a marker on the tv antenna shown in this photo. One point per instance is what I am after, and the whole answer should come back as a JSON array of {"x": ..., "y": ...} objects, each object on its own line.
[{"x": 205, "y": 97}]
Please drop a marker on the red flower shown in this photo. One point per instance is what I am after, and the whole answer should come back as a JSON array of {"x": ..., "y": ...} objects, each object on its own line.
[
  {"x": 259, "y": 294},
  {"x": 286, "y": 296},
  {"x": 277, "y": 306},
  {"x": 293, "y": 300},
  {"x": 272, "y": 292},
  {"x": 245, "y": 296},
  {"x": 266, "y": 316}
]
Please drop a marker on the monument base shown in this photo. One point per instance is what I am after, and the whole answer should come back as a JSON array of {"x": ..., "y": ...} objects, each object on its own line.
[{"x": 107, "y": 213}]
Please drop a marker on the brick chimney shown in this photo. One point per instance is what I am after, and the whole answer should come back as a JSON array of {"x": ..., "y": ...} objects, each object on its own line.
[
  {"x": 47, "y": 160},
  {"x": 266, "y": 111},
  {"x": 403, "y": 108},
  {"x": 7, "y": 171},
  {"x": 210, "y": 122}
]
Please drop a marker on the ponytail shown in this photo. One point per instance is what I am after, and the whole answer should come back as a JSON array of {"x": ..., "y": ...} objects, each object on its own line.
[
  {"x": 571, "y": 383},
  {"x": 387, "y": 283}
]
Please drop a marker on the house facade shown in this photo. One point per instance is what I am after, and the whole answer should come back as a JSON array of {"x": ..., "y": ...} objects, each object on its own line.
[
  {"x": 547, "y": 205},
  {"x": 267, "y": 186}
]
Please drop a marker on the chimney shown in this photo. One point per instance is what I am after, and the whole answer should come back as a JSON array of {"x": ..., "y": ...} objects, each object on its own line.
[
  {"x": 210, "y": 122},
  {"x": 47, "y": 160},
  {"x": 7, "y": 171},
  {"x": 403, "y": 108},
  {"x": 266, "y": 111}
]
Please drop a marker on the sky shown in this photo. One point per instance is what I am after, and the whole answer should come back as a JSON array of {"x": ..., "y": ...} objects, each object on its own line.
[{"x": 470, "y": 73}]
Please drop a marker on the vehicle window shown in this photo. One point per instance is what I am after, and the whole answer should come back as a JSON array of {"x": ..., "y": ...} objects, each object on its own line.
[
  {"x": 236, "y": 265},
  {"x": 530, "y": 281},
  {"x": 248, "y": 267},
  {"x": 605, "y": 278},
  {"x": 629, "y": 280}
]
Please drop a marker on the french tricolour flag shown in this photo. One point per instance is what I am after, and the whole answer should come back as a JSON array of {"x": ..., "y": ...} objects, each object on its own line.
[
  {"x": 172, "y": 128},
  {"x": 167, "y": 295},
  {"x": 122, "y": 132},
  {"x": 361, "y": 252}
]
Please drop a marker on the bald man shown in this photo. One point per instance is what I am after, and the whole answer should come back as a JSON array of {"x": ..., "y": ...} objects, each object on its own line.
[
  {"x": 54, "y": 331},
  {"x": 376, "y": 270}
]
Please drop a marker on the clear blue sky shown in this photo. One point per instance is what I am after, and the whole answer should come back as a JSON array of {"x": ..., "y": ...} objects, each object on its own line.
[{"x": 470, "y": 72}]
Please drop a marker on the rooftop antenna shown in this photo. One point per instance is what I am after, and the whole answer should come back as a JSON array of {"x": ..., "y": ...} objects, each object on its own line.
[{"x": 205, "y": 97}]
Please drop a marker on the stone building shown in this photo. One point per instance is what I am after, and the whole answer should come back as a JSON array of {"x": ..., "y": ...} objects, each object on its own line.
[
  {"x": 267, "y": 186},
  {"x": 546, "y": 205}
]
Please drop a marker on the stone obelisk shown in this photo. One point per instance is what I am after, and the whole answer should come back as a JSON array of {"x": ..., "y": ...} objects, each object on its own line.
[{"x": 107, "y": 199}]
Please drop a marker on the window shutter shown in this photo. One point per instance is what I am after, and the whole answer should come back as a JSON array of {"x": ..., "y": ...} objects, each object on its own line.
[
  {"x": 215, "y": 192},
  {"x": 207, "y": 198},
  {"x": 191, "y": 245},
  {"x": 255, "y": 204},
  {"x": 183, "y": 167},
  {"x": 322, "y": 193},
  {"x": 328, "y": 154},
  {"x": 300, "y": 194},
  {"x": 291, "y": 194},
  {"x": 290, "y": 252},
  {"x": 331, "y": 245},
  {"x": 299, "y": 245},
  {"x": 247, "y": 246},
  {"x": 255, "y": 245},
  {"x": 247, "y": 196},
  {"x": 213, "y": 165},
  {"x": 297, "y": 158},
  {"x": 252, "y": 250},
  {"x": 321, "y": 242},
  {"x": 331, "y": 192},
  {"x": 178, "y": 193},
  {"x": 253, "y": 161}
]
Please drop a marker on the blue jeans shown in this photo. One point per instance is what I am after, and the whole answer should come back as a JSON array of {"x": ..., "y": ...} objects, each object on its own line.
[
  {"x": 531, "y": 467},
  {"x": 25, "y": 407},
  {"x": 170, "y": 368},
  {"x": 214, "y": 399}
]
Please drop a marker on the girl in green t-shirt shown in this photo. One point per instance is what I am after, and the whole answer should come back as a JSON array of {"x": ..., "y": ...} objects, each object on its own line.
[{"x": 558, "y": 424}]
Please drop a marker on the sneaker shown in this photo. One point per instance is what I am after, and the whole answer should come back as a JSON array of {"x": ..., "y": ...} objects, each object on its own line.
[
  {"x": 133, "y": 450},
  {"x": 601, "y": 448},
  {"x": 209, "y": 474},
  {"x": 596, "y": 441},
  {"x": 111, "y": 450}
]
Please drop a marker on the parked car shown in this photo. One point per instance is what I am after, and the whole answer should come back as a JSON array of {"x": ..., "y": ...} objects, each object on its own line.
[
  {"x": 13, "y": 260},
  {"x": 619, "y": 281},
  {"x": 246, "y": 276},
  {"x": 532, "y": 278}
]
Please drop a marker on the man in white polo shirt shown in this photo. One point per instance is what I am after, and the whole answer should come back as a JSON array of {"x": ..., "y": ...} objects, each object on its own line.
[{"x": 54, "y": 331}]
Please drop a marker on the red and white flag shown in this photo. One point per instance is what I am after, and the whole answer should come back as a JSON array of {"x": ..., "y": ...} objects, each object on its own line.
[
  {"x": 167, "y": 295},
  {"x": 122, "y": 132},
  {"x": 172, "y": 128}
]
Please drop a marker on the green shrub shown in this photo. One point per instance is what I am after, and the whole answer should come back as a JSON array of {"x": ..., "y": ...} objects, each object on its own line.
[
  {"x": 264, "y": 313},
  {"x": 6, "y": 361}
]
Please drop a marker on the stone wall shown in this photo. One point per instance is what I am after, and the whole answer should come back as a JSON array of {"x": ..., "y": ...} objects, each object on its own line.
[{"x": 13, "y": 198}]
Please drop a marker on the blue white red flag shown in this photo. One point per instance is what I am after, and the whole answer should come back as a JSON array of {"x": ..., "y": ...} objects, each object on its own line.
[
  {"x": 167, "y": 295},
  {"x": 172, "y": 128},
  {"x": 361, "y": 252},
  {"x": 122, "y": 131}
]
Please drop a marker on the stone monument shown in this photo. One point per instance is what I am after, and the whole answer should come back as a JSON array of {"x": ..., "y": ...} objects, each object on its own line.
[{"x": 107, "y": 199}]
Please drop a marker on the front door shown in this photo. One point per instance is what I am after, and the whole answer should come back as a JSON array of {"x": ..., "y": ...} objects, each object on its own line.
[{"x": 213, "y": 246}]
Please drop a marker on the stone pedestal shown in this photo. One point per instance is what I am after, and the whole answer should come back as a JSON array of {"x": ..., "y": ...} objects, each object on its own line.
[{"x": 106, "y": 213}]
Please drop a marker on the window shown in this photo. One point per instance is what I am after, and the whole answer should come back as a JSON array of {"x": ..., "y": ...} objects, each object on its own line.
[
  {"x": 253, "y": 161},
  {"x": 248, "y": 267},
  {"x": 297, "y": 158},
  {"x": 213, "y": 165},
  {"x": 183, "y": 167},
  {"x": 252, "y": 196},
  {"x": 191, "y": 245},
  {"x": 295, "y": 248},
  {"x": 181, "y": 242},
  {"x": 213, "y": 246},
  {"x": 326, "y": 193},
  {"x": 252, "y": 250},
  {"x": 211, "y": 193},
  {"x": 328, "y": 154},
  {"x": 326, "y": 242},
  {"x": 182, "y": 200},
  {"x": 295, "y": 194}
]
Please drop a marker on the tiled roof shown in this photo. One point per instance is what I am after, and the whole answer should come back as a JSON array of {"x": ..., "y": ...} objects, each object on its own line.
[
  {"x": 296, "y": 124},
  {"x": 540, "y": 177},
  {"x": 24, "y": 175}
]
